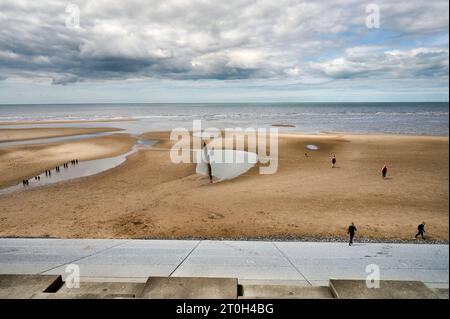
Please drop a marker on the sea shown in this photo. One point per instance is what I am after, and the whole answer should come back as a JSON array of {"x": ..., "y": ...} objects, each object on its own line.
[{"x": 418, "y": 118}]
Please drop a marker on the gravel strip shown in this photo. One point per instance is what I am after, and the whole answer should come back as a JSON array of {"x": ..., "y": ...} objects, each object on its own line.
[{"x": 285, "y": 238}]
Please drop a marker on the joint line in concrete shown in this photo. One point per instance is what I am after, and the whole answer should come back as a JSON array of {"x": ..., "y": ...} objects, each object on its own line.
[
  {"x": 290, "y": 262},
  {"x": 78, "y": 259},
  {"x": 192, "y": 250}
]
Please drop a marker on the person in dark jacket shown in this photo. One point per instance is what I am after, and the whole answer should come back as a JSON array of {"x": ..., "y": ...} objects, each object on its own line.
[
  {"x": 333, "y": 161},
  {"x": 421, "y": 230},
  {"x": 384, "y": 171},
  {"x": 208, "y": 162},
  {"x": 351, "y": 232},
  {"x": 210, "y": 175}
]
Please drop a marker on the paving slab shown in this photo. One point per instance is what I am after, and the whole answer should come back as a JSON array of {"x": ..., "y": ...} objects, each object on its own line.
[
  {"x": 236, "y": 248},
  {"x": 277, "y": 282},
  {"x": 25, "y": 268},
  {"x": 96, "y": 290},
  {"x": 138, "y": 259},
  {"x": 436, "y": 285},
  {"x": 384, "y": 262},
  {"x": 357, "y": 289},
  {"x": 115, "y": 279},
  {"x": 24, "y": 286},
  {"x": 321, "y": 261},
  {"x": 312, "y": 263},
  {"x": 312, "y": 250},
  {"x": 163, "y": 245},
  {"x": 34, "y": 256},
  {"x": 116, "y": 270},
  {"x": 328, "y": 270},
  {"x": 37, "y": 245},
  {"x": 322, "y": 283},
  {"x": 229, "y": 271},
  {"x": 190, "y": 288},
  {"x": 238, "y": 259},
  {"x": 441, "y": 292},
  {"x": 284, "y": 292}
]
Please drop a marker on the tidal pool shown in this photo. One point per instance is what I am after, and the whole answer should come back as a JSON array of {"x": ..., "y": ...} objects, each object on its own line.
[
  {"x": 225, "y": 164},
  {"x": 312, "y": 147},
  {"x": 82, "y": 169}
]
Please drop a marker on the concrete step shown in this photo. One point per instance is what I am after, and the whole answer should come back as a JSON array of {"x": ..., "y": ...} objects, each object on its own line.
[
  {"x": 190, "y": 288},
  {"x": 53, "y": 287},
  {"x": 284, "y": 292},
  {"x": 25, "y": 286},
  {"x": 389, "y": 289},
  {"x": 96, "y": 290},
  {"x": 442, "y": 293}
]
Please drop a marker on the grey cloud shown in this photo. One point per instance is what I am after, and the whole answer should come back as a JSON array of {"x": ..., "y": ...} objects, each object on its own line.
[
  {"x": 368, "y": 62},
  {"x": 194, "y": 40}
]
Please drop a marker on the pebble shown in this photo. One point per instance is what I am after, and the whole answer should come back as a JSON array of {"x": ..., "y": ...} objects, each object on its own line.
[{"x": 334, "y": 239}]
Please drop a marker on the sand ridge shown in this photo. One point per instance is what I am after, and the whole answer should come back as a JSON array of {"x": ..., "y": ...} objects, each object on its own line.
[
  {"x": 22, "y": 134},
  {"x": 4, "y": 123}
]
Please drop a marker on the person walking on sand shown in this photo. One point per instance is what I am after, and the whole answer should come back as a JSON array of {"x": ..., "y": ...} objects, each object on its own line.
[
  {"x": 333, "y": 161},
  {"x": 351, "y": 231},
  {"x": 208, "y": 162},
  {"x": 421, "y": 230},
  {"x": 210, "y": 173},
  {"x": 384, "y": 171}
]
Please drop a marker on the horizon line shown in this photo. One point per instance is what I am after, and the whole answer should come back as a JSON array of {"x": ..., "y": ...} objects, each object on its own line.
[{"x": 247, "y": 102}]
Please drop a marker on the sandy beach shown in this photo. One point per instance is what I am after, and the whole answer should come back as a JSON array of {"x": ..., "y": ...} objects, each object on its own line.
[
  {"x": 23, "y": 162},
  {"x": 148, "y": 196}
]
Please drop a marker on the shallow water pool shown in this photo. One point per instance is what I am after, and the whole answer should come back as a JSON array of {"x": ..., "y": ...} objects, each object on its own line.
[
  {"x": 225, "y": 164},
  {"x": 82, "y": 169}
]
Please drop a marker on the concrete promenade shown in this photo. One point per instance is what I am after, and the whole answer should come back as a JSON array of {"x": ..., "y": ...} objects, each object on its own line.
[{"x": 259, "y": 262}]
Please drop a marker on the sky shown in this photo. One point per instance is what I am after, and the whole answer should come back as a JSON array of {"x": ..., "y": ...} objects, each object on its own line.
[{"x": 136, "y": 51}]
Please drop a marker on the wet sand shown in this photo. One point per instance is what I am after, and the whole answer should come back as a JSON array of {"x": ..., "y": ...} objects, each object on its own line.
[
  {"x": 22, "y": 134},
  {"x": 149, "y": 196},
  {"x": 24, "y": 162},
  {"x": 65, "y": 122}
]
